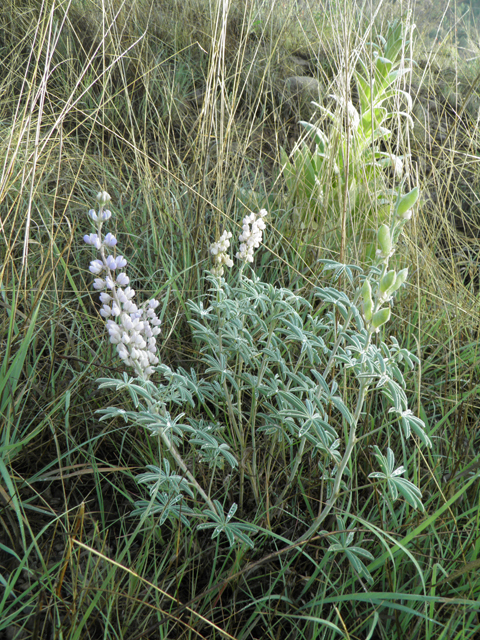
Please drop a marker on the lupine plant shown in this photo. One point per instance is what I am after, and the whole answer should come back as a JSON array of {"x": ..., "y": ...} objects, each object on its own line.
[
  {"x": 335, "y": 179},
  {"x": 267, "y": 396}
]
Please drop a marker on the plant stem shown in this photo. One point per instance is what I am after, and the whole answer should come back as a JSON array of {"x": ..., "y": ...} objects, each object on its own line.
[
  {"x": 179, "y": 460},
  {"x": 352, "y": 440}
]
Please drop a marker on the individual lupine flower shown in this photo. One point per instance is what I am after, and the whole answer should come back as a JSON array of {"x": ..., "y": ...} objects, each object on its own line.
[
  {"x": 105, "y": 298},
  {"x": 111, "y": 264},
  {"x": 219, "y": 252},
  {"x": 251, "y": 238},
  {"x": 122, "y": 280},
  {"x": 93, "y": 239},
  {"x": 96, "y": 267},
  {"x": 116, "y": 311},
  {"x": 109, "y": 240},
  {"x": 99, "y": 284},
  {"x": 115, "y": 263}
]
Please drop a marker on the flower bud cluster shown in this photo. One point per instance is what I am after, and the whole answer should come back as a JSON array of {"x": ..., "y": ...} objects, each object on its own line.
[
  {"x": 219, "y": 252},
  {"x": 390, "y": 283},
  {"x": 251, "y": 238},
  {"x": 131, "y": 328}
]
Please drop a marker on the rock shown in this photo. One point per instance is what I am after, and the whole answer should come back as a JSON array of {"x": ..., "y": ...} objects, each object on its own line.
[
  {"x": 472, "y": 106},
  {"x": 303, "y": 87},
  {"x": 297, "y": 66},
  {"x": 300, "y": 92},
  {"x": 421, "y": 124}
]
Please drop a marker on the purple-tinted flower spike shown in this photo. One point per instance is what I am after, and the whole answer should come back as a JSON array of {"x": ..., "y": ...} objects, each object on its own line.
[{"x": 131, "y": 329}]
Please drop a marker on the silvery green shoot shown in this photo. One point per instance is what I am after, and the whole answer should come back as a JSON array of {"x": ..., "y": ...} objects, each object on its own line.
[{"x": 273, "y": 365}]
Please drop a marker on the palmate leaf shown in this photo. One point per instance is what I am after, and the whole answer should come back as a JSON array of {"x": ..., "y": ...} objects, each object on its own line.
[
  {"x": 197, "y": 386},
  {"x": 401, "y": 354},
  {"x": 200, "y": 310},
  {"x": 221, "y": 523},
  {"x": 214, "y": 452},
  {"x": 339, "y": 269},
  {"x": 411, "y": 422},
  {"x": 127, "y": 382},
  {"x": 165, "y": 507},
  {"x": 157, "y": 480},
  {"x": 342, "y": 543},
  {"x": 394, "y": 483},
  {"x": 220, "y": 366},
  {"x": 293, "y": 405}
]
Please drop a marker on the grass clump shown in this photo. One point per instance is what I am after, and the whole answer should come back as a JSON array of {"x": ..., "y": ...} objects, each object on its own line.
[{"x": 180, "y": 111}]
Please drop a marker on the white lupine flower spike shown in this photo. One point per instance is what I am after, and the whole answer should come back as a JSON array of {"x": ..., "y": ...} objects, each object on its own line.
[
  {"x": 220, "y": 256},
  {"x": 131, "y": 329},
  {"x": 251, "y": 238}
]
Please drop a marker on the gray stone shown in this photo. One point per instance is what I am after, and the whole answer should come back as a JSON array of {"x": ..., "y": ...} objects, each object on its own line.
[{"x": 303, "y": 87}]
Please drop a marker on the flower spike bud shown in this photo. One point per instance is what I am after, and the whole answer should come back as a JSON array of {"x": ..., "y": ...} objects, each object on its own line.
[
  {"x": 380, "y": 318},
  {"x": 103, "y": 198},
  {"x": 387, "y": 283},
  {"x": 405, "y": 203},
  {"x": 367, "y": 300},
  {"x": 385, "y": 241},
  {"x": 401, "y": 278},
  {"x": 366, "y": 290},
  {"x": 368, "y": 310}
]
